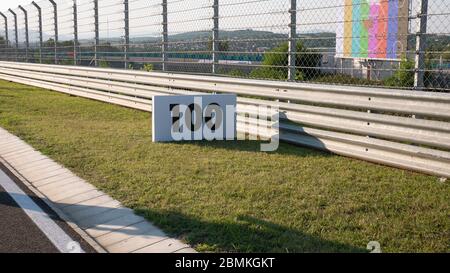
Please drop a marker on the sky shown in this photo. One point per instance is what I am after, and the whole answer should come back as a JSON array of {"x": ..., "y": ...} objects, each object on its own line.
[{"x": 6, "y": 4}]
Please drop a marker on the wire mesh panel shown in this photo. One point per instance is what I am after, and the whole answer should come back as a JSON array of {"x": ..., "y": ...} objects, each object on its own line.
[
  {"x": 356, "y": 41},
  {"x": 12, "y": 51},
  {"x": 145, "y": 23},
  {"x": 33, "y": 34},
  {"x": 383, "y": 43},
  {"x": 21, "y": 51},
  {"x": 250, "y": 28},
  {"x": 49, "y": 49},
  {"x": 65, "y": 49},
  {"x": 436, "y": 54},
  {"x": 374, "y": 42},
  {"x": 189, "y": 35},
  {"x": 3, "y": 40},
  {"x": 111, "y": 33},
  {"x": 86, "y": 32}
]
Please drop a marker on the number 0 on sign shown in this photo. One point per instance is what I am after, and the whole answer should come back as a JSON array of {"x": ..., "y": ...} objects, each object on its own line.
[{"x": 194, "y": 118}]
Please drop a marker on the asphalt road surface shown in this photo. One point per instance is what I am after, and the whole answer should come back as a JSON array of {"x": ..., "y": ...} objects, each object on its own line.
[{"x": 19, "y": 233}]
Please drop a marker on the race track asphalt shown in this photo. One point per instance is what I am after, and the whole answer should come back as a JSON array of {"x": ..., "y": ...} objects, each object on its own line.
[{"x": 19, "y": 234}]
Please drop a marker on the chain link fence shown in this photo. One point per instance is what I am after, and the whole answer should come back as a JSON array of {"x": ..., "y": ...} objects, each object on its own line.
[{"x": 382, "y": 43}]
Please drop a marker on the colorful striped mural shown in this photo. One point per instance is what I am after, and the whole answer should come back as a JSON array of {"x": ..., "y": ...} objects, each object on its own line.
[{"x": 373, "y": 29}]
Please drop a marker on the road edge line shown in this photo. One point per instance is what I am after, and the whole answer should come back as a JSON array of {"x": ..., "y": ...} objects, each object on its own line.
[{"x": 88, "y": 239}]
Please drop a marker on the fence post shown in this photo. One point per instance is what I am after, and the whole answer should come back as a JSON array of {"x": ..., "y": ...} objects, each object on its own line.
[
  {"x": 6, "y": 34},
  {"x": 292, "y": 41},
  {"x": 419, "y": 69},
  {"x": 215, "y": 38},
  {"x": 40, "y": 29},
  {"x": 165, "y": 36},
  {"x": 27, "y": 40},
  {"x": 16, "y": 34},
  {"x": 75, "y": 33},
  {"x": 97, "y": 34},
  {"x": 55, "y": 21},
  {"x": 127, "y": 33}
]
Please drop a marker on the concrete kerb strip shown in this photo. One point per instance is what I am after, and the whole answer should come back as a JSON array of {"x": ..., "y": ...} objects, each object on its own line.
[{"x": 100, "y": 220}]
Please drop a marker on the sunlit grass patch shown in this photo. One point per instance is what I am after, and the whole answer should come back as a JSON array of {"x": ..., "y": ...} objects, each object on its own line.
[{"x": 228, "y": 196}]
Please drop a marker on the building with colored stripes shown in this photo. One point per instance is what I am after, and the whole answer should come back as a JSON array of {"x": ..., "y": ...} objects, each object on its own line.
[{"x": 373, "y": 29}]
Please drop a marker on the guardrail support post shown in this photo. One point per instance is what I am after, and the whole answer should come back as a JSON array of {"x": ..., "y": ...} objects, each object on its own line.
[
  {"x": 127, "y": 32},
  {"x": 292, "y": 41},
  {"x": 6, "y": 34},
  {"x": 16, "y": 34},
  {"x": 97, "y": 34},
  {"x": 419, "y": 71},
  {"x": 215, "y": 38},
  {"x": 27, "y": 40},
  {"x": 75, "y": 33},
  {"x": 165, "y": 36},
  {"x": 40, "y": 29},
  {"x": 55, "y": 21}
]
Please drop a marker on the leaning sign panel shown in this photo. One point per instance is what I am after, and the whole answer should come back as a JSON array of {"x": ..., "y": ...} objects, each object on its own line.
[{"x": 197, "y": 117}]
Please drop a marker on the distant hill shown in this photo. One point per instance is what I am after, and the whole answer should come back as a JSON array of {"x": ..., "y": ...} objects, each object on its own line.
[
  {"x": 205, "y": 35},
  {"x": 241, "y": 34},
  {"x": 249, "y": 39}
]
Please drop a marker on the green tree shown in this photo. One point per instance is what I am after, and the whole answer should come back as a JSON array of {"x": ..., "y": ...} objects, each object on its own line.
[
  {"x": 275, "y": 63},
  {"x": 236, "y": 73},
  {"x": 404, "y": 76},
  {"x": 223, "y": 45},
  {"x": 49, "y": 43},
  {"x": 103, "y": 64},
  {"x": 148, "y": 67}
]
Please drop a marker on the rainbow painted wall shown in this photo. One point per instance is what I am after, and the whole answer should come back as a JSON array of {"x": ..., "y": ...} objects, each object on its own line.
[{"x": 373, "y": 29}]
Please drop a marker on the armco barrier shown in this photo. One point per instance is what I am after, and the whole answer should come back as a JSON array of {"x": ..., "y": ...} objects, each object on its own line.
[{"x": 404, "y": 129}]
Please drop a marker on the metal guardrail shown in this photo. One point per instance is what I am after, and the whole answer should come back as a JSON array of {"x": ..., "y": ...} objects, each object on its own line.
[{"x": 404, "y": 129}]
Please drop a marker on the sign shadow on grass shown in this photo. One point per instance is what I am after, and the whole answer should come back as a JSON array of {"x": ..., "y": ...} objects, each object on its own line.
[{"x": 243, "y": 234}]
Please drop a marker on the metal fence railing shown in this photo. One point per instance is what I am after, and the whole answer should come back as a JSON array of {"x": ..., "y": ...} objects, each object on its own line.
[{"x": 383, "y": 43}]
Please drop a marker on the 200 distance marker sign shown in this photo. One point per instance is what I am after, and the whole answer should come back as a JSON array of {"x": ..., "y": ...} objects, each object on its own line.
[{"x": 194, "y": 118}]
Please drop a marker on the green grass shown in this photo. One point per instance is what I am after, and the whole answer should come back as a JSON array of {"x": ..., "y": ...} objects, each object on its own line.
[{"x": 228, "y": 196}]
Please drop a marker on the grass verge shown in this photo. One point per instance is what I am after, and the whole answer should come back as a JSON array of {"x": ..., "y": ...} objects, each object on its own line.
[{"x": 228, "y": 196}]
